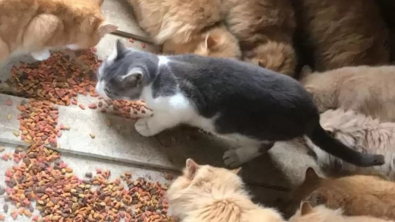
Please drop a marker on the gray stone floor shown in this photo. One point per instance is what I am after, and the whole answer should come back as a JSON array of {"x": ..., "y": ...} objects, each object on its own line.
[{"x": 119, "y": 148}]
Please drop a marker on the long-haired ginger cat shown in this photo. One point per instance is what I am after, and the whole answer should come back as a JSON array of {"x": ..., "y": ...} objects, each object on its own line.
[
  {"x": 186, "y": 27},
  {"x": 265, "y": 29},
  {"x": 210, "y": 194},
  {"x": 356, "y": 195},
  {"x": 307, "y": 213},
  {"x": 340, "y": 33},
  {"x": 37, "y": 26},
  {"x": 363, "y": 89}
]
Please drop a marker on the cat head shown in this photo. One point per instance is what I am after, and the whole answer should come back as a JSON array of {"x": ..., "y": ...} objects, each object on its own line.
[
  {"x": 275, "y": 56},
  {"x": 303, "y": 192},
  {"x": 125, "y": 73},
  {"x": 200, "y": 183},
  {"x": 90, "y": 26},
  {"x": 217, "y": 42}
]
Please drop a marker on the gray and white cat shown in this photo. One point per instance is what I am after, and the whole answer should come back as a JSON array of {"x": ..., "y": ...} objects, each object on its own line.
[{"x": 254, "y": 106}]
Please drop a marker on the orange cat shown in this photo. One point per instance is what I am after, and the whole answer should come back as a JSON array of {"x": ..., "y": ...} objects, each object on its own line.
[
  {"x": 210, "y": 194},
  {"x": 36, "y": 26},
  {"x": 186, "y": 26},
  {"x": 363, "y": 89},
  {"x": 307, "y": 213},
  {"x": 356, "y": 195},
  {"x": 342, "y": 33},
  {"x": 265, "y": 29}
]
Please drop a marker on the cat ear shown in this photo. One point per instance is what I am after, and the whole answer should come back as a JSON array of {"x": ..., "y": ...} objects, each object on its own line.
[
  {"x": 192, "y": 168},
  {"x": 306, "y": 71},
  {"x": 210, "y": 41},
  {"x": 316, "y": 198},
  {"x": 107, "y": 28},
  {"x": 133, "y": 78},
  {"x": 236, "y": 171},
  {"x": 120, "y": 48},
  {"x": 311, "y": 175},
  {"x": 305, "y": 208}
]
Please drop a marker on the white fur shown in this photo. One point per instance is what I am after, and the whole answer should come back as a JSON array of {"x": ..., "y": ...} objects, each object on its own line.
[
  {"x": 41, "y": 56},
  {"x": 100, "y": 89},
  {"x": 163, "y": 60},
  {"x": 73, "y": 47}
]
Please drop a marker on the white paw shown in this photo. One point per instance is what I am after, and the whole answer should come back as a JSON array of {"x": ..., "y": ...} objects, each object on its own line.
[
  {"x": 142, "y": 127},
  {"x": 41, "y": 56},
  {"x": 231, "y": 159}
]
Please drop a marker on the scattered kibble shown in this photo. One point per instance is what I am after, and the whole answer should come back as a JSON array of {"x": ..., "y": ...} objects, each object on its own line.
[
  {"x": 2, "y": 149},
  {"x": 82, "y": 106},
  {"x": 143, "y": 45},
  {"x": 92, "y": 106},
  {"x": 2, "y": 190},
  {"x": 16, "y": 133},
  {"x": 2, "y": 217},
  {"x": 131, "y": 40},
  {"x": 8, "y": 102},
  {"x": 92, "y": 135},
  {"x": 9, "y": 116},
  {"x": 169, "y": 176},
  {"x": 39, "y": 174}
]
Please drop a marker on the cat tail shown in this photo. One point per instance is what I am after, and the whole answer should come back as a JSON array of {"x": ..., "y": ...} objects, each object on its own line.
[{"x": 334, "y": 147}]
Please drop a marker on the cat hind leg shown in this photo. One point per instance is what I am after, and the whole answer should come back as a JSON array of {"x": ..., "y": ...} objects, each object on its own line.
[{"x": 236, "y": 157}]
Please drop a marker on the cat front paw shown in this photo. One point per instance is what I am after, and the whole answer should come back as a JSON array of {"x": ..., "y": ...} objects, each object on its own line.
[
  {"x": 41, "y": 56},
  {"x": 142, "y": 127},
  {"x": 231, "y": 159}
]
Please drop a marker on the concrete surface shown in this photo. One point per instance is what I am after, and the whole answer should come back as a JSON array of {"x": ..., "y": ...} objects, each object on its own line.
[{"x": 119, "y": 148}]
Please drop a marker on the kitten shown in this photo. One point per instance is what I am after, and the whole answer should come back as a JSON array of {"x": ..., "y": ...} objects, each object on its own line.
[
  {"x": 210, "y": 194},
  {"x": 357, "y": 195},
  {"x": 37, "y": 26},
  {"x": 253, "y": 106},
  {"x": 342, "y": 33},
  {"x": 265, "y": 30},
  {"x": 361, "y": 133},
  {"x": 363, "y": 89},
  {"x": 186, "y": 27},
  {"x": 307, "y": 213}
]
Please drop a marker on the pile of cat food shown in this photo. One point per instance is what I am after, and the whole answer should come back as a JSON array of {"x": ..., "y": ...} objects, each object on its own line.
[
  {"x": 61, "y": 78},
  {"x": 41, "y": 176}
]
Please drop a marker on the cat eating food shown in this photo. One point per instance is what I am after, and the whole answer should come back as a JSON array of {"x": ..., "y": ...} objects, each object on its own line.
[
  {"x": 242, "y": 102},
  {"x": 37, "y": 26},
  {"x": 210, "y": 194}
]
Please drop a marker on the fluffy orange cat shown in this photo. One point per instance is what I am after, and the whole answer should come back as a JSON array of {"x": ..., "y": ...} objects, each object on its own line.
[
  {"x": 186, "y": 26},
  {"x": 363, "y": 89},
  {"x": 265, "y": 29},
  {"x": 340, "y": 33},
  {"x": 307, "y": 213},
  {"x": 356, "y": 195},
  {"x": 37, "y": 26},
  {"x": 210, "y": 194}
]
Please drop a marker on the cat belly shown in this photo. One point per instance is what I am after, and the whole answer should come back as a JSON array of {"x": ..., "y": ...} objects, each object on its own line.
[{"x": 207, "y": 124}]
